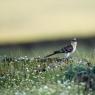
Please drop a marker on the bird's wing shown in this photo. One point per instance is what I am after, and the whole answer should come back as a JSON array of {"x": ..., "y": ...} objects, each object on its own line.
[{"x": 67, "y": 49}]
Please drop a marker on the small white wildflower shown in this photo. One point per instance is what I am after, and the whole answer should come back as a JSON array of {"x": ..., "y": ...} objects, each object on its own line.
[
  {"x": 38, "y": 65},
  {"x": 45, "y": 87},
  {"x": 40, "y": 72},
  {"x": 22, "y": 58},
  {"x": 80, "y": 61},
  {"x": 35, "y": 70},
  {"x": 62, "y": 93},
  {"x": 14, "y": 79},
  {"x": 89, "y": 94},
  {"x": 26, "y": 79},
  {"x": 69, "y": 87},
  {"x": 56, "y": 61},
  {"x": 27, "y": 89},
  {"x": 31, "y": 59},
  {"x": 27, "y": 69},
  {"x": 52, "y": 90},
  {"x": 25, "y": 56},
  {"x": 72, "y": 81},
  {"x": 15, "y": 60},
  {"x": 48, "y": 93},
  {"x": 83, "y": 84},
  {"x": 59, "y": 82},
  {"x": 48, "y": 67},
  {"x": 20, "y": 93},
  {"x": 17, "y": 93},
  {"x": 40, "y": 89},
  {"x": 56, "y": 66},
  {"x": 39, "y": 56},
  {"x": 34, "y": 77},
  {"x": 65, "y": 83},
  {"x": 57, "y": 75},
  {"x": 53, "y": 77},
  {"x": 23, "y": 93}
]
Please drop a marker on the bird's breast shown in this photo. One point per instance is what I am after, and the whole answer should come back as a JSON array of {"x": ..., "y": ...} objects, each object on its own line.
[{"x": 74, "y": 49}]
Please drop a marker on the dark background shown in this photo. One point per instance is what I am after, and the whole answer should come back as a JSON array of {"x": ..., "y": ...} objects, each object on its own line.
[{"x": 89, "y": 42}]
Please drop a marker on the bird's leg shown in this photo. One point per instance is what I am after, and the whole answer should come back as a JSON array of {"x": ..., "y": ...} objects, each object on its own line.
[{"x": 66, "y": 60}]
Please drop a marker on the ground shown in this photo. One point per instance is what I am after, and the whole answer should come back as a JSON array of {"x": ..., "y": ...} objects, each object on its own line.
[{"x": 26, "y": 75}]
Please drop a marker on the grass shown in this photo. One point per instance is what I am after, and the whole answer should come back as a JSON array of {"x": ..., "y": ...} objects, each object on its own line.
[{"x": 22, "y": 75}]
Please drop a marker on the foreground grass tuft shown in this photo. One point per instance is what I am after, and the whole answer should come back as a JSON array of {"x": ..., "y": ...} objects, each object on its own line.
[{"x": 46, "y": 76}]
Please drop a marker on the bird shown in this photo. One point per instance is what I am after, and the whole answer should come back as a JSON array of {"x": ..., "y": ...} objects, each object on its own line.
[{"x": 67, "y": 50}]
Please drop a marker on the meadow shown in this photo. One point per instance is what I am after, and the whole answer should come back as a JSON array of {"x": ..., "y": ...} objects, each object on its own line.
[{"x": 25, "y": 72}]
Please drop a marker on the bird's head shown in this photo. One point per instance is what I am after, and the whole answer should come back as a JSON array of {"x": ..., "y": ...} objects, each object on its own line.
[{"x": 74, "y": 42}]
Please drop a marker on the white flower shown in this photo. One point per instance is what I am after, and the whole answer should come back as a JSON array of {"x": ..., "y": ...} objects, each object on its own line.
[
  {"x": 38, "y": 65},
  {"x": 69, "y": 87},
  {"x": 59, "y": 82},
  {"x": 45, "y": 87},
  {"x": 64, "y": 93},
  {"x": 57, "y": 75},
  {"x": 20, "y": 93},
  {"x": 40, "y": 89}
]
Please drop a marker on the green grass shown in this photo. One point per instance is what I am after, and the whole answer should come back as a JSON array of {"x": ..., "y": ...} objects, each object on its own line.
[{"x": 22, "y": 75}]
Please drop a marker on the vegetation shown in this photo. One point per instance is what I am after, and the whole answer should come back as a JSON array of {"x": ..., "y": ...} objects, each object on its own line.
[{"x": 47, "y": 76}]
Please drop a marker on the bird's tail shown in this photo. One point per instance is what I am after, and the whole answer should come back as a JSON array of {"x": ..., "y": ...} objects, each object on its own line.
[
  {"x": 55, "y": 52},
  {"x": 50, "y": 55}
]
